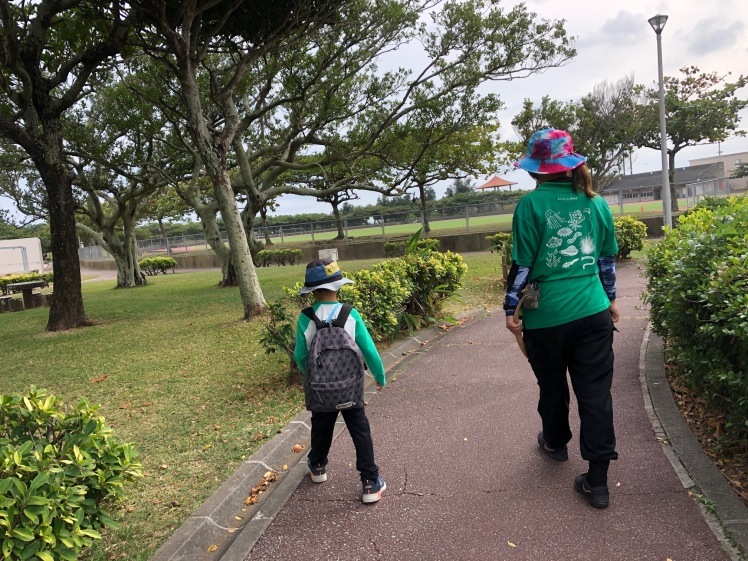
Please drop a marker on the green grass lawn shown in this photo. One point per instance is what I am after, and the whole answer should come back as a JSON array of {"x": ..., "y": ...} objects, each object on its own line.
[{"x": 178, "y": 373}]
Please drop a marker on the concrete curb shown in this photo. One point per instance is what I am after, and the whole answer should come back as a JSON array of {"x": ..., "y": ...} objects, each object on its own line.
[
  {"x": 729, "y": 516},
  {"x": 225, "y": 521}
]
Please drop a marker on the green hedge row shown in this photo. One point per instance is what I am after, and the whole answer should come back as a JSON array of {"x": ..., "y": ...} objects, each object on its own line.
[
  {"x": 280, "y": 257},
  {"x": 630, "y": 235},
  {"x": 698, "y": 292},
  {"x": 401, "y": 293},
  {"x": 154, "y": 265},
  {"x": 23, "y": 277}
]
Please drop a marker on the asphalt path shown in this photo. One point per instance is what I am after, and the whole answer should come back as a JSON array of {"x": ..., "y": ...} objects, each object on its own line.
[{"x": 454, "y": 436}]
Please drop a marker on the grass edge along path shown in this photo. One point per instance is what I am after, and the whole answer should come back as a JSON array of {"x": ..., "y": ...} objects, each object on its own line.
[{"x": 177, "y": 373}]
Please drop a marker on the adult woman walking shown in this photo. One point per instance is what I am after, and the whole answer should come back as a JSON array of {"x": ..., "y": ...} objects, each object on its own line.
[{"x": 564, "y": 241}]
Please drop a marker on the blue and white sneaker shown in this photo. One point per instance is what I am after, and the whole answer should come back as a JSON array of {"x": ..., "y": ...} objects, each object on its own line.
[
  {"x": 317, "y": 473},
  {"x": 373, "y": 490}
]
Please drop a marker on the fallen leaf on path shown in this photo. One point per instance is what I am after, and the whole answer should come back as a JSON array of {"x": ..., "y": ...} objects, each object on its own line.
[
  {"x": 99, "y": 379},
  {"x": 298, "y": 448},
  {"x": 212, "y": 548},
  {"x": 510, "y": 544}
]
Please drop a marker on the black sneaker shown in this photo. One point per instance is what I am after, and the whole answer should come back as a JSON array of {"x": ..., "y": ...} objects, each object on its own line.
[
  {"x": 558, "y": 454},
  {"x": 373, "y": 489},
  {"x": 598, "y": 497},
  {"x": 317, "y": 473}
]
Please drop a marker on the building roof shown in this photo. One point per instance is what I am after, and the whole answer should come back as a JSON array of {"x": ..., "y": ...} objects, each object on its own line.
[
  {"x": 691, "y": 174},
  {"x": 495, "y": 182}
]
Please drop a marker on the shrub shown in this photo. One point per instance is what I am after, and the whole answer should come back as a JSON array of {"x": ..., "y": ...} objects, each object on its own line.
[
  {"x": 278, "y": 256},
  {"x": 23, "y": 277},
  {"x": 59, "y": 468},
  {"x": 710, "y": 203},
  {"x": 630, "y": 235},
  {"x": 698, "y": 292},
  {"x": 501, "y": 242},
  {"x": 397, "y": 249},
  {"x": 155, "y": 265}
]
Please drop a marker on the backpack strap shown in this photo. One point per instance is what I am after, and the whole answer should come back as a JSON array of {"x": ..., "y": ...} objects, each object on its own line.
[
  {"x": 345, "y": 311},
  {"x": 309, "y": 312}
]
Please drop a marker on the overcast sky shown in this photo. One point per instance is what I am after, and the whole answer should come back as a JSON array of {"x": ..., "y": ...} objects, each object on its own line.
[{"x": 614, "y": 40}]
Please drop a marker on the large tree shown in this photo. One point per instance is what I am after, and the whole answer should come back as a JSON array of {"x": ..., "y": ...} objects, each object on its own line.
[
  {"x": 700, "y": 108},
  {"x": 52, "y": 50},
  {"x": 306, "y": 93},
  {"x": 603, "y": 125}
]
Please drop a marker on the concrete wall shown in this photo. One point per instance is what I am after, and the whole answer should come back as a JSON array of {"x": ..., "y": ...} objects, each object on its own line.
[{"x": 458, "y": 243}]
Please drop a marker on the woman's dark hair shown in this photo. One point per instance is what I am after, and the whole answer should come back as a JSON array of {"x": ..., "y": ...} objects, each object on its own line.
[{"x": 580, "y": 179}]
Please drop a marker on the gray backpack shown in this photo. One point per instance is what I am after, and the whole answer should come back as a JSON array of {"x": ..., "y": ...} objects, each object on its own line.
[{"x": 334, "y": 377}]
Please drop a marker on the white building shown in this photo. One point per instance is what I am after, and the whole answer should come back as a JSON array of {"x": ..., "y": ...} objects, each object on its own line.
[
  {"x": 731, "y": 162},
  {"x": 23, "y": 255}
]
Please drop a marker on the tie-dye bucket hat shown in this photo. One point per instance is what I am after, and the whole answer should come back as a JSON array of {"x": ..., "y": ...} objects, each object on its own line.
[{"x": 550, "y": 151}]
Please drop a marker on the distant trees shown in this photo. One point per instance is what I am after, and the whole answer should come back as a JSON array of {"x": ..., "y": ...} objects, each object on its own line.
[{"x": 700, "y": 108}]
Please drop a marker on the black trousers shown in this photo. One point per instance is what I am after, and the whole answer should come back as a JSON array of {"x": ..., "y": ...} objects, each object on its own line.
[
  {"x": 323, "y": 425},
  {"x": 584, "y": 347}
]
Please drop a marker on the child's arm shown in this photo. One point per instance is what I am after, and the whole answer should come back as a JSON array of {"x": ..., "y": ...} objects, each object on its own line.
[
  {"x": 300, "y": 352},
  {"x": 368, "y": 349}
]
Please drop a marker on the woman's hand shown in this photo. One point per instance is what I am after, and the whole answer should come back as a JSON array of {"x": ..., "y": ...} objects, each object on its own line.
[
  {"x": 614, "y": 313},
  {"x": 514, "y": 326}
]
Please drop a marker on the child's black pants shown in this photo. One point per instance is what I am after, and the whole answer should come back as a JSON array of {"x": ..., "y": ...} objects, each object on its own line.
[{"x": 323, "y": 425}]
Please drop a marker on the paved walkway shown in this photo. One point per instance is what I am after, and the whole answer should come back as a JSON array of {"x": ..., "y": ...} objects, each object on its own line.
[{"x": 454, "y": 435}]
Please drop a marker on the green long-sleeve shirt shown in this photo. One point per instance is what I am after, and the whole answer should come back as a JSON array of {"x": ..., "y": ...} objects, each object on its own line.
[{"x": 354, "y": 325}]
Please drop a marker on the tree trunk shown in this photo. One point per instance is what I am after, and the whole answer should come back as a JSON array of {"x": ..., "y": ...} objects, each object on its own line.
[
  {"x": 671, "y": 178},
  {"x": 338, "y": 221},
  {"x": 66, "y": 310},
  {"x": 163, "y": 235},
  {"x": 241, "y": 259},
  {"x": 135, "y": 275},
  {"x": 264, "y": 219},
  {"x": 424, "y": 212}
]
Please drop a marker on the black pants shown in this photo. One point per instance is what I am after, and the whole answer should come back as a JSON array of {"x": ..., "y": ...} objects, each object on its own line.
[
  {"x": 584, "y": 347},
  {"x": 355, "y": 419}
]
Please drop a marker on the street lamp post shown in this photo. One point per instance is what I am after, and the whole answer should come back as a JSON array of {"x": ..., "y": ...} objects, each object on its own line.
[{"x": 658, "y": 23}]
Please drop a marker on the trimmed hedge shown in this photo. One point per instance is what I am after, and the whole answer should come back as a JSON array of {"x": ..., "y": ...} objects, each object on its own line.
[
  {"x": 398, "y": 249},
  {"x": 23, "y": 277},
  {"x": 698, "y": 292},
  {"x": 154, "y": 265},
  {"x": 630, "y": 235},
  {"x": 401, "y": 293},
  {"x": 280, "y": 257}
]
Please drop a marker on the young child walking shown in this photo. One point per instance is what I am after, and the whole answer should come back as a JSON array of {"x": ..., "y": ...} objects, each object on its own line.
[{"x": 323, "y": 280}]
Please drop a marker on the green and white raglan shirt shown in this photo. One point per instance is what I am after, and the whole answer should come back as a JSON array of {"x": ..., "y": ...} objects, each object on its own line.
[
  {"x": 354, "y": 326},
  {"x": 561, "y": 235}
]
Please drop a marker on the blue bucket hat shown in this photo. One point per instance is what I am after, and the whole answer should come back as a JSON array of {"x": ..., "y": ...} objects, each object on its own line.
[
  {"x": 550, "y": 151},
  {"x": 323, "y": 275}
]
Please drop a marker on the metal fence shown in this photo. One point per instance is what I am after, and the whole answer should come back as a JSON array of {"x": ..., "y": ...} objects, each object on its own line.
[{"x": 469, "y": 218}]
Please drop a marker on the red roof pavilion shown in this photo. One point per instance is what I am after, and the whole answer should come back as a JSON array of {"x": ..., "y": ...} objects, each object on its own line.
[{"x": 496, "y": 183}]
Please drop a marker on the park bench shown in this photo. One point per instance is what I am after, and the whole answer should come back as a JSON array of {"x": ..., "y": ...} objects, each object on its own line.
[{"x": 27, "y": 289}]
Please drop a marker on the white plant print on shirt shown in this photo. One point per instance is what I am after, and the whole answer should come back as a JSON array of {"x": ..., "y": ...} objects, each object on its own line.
[
  {"x": 554, "y": 219},
  {"x": 574, "y": 238},
  {"x": 552, "y": 259},
  {"x": 564, "y": 232},
  {"x": 575, "y": 219},
  {"x": 588, "y": 261},
  {"x": 570, "y": 263},
  {"x": 588, "y": 245},
  {"x": 554, "y": 242}
]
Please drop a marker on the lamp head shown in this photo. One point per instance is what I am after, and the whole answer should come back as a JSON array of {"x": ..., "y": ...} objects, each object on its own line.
[{"x": 658, "y": 22}]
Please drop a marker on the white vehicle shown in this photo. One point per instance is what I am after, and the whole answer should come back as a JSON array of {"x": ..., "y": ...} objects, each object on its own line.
[{"x": 21, "y": 256}]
